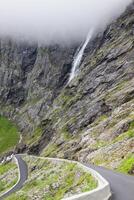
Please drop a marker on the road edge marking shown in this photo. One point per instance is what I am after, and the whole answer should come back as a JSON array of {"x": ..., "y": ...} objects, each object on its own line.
[{"x": 17, "y": 163}]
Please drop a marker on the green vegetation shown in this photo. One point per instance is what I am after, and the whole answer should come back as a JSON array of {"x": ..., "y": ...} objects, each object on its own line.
[
  {"x": 67, "y": 98},
  {"x": 4, "y": 168},
  {"x": 52, "y": 180},
  {"x": 32, "y": 138},
  {"x": 8, "y": 176},
  {"x": 127, "y": 164},
  {"x": 65, "y": 132},
  {"x": 14, "y": 197},
  {"x": 99, "y": 120},
  {"x": 126, "y": 135},
  {"x": 9, "y": 135},
  {"x": 99, "y": 144},
  {"x": 50, "y": 150}
]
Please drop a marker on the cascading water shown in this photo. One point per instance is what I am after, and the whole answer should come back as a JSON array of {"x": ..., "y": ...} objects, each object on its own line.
[{"x": 79, "y": 55}]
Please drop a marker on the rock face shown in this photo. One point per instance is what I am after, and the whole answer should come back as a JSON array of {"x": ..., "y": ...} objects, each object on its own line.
[
  {"x": 90, "y": 119},
  {"x": 31, "y": 77}
]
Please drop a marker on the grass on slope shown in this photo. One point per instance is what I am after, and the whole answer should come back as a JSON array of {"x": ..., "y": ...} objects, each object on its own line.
[
  {"x": 9, "y": 135},
  {"x": 8, "y": 176},
  {"x": 127, "y": 165},
  {"x": 52, "y": 180}
]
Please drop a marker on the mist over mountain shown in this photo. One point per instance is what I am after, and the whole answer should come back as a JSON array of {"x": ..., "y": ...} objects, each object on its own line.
[{"x": 60, "y": 21}]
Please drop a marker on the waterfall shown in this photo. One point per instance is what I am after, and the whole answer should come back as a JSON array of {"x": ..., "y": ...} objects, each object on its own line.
[{"x": 79, "y": 55}]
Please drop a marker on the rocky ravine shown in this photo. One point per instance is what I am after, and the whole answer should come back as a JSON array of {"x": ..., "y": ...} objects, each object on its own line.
[{"x": 92, "y": 118}]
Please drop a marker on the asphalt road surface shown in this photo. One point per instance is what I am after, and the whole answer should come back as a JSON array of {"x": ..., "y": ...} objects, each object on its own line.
[
  {"x": 23, "y": 177},
  {"x": 122, "y": 186}
]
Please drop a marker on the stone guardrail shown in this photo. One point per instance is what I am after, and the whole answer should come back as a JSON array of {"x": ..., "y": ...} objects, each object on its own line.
[{"x": 102, "y": 192}]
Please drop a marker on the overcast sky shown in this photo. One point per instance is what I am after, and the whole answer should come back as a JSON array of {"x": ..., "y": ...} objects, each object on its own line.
[{"x": 63, "y": 21}]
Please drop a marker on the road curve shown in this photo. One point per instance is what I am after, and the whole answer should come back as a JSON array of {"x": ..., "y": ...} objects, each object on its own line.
[
  {"x": 23, "y": 170},
  {"x": 122, "y": 186}
]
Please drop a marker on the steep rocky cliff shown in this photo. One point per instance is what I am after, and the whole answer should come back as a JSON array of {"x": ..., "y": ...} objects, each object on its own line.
[
  {"x": 92, "y": 118},
  {"x": 31, "y": 77}
]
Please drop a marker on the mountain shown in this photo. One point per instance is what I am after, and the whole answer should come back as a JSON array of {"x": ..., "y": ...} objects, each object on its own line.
[{"x": 90, "y": 119}]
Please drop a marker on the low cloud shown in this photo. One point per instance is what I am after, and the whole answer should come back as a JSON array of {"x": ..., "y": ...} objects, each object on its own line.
[{"x": 56, "y": 21}]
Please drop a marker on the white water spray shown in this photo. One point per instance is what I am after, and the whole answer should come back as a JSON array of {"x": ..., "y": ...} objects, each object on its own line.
[{"x": 79, "y": 55}]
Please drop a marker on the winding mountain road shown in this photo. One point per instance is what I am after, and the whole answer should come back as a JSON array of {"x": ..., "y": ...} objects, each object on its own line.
[
  {"x": 23, "y": 177},
  {"x": 122, "y": 186}
]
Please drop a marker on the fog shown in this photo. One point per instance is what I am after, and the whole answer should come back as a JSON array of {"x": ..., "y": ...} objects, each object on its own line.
[{"x": 56, "y": 21}]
